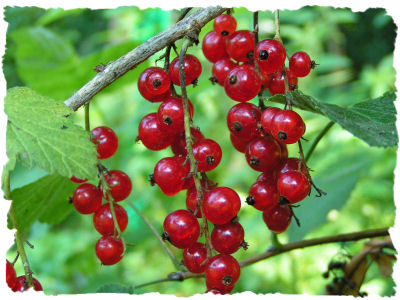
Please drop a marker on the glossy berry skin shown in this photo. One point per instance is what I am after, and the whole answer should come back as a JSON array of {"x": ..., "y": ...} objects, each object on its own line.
[
  {"x": 242, "y": 120},
  {"x": 77, "y": 180},
  {"x": 171, "y": 115},
  {"x": 214, "y": 46},
  {"x": 109, "y": 250},
  {"x": 221, "y": 205},
  {"x": 284, "y": 151},
  {"x": 169, "y": 173},
  {"x": 119, "y": 183},
  {"x": 238, "y": 143},
  {"x": 103, "y": 219},
  {"x": 178, "y": 146},
  {"x": 263, "y": 194},
  {"x": 221, "y": 69},
  {"x": 222, "y": 272},
  {"x": 182, "y": 228},
  {"x": 192, "y": 70},
  {"x": 194, "y": 257},
  {"x": 268, "y": 177},
  {"x": 227, "y": 238},
  {"x": 277, "y": 84},
  {"x": 143, "y": 86},
  {"x": 11, "y": 275},
  {"x": 21, "y": 285},
  {"x": 158, "y": 81},
  {"x": 242, "y": 83},
  {"x": 266, "y": 118},
  {"x": 292, "y": 164},
  {"x": 277, "y": 218},
  {"x": 270, "y": 55},
  {"x": 87, "y": 198},
  {"x": 151, "y": 133},
  {"x": 106, "y": 141},
  {"x": 294, "y": 186},
  {"x": 263, "y": 154},
  {"x": 225, "y": 25},
  {"x": 287, "y": 126},
  {"x": 240, "y": 45},
  {"x": 191, "y": 201},
  {"x": 208, "y": 154},
  {"x": 300, "y": 64},
  {"x": 221, "y": 291}
]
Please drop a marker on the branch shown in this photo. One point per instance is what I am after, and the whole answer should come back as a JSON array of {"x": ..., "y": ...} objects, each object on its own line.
[{"x": 132, "y": 59}]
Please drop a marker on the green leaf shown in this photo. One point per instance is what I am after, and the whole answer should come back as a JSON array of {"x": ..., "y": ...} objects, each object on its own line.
[
  {"x": 373, "y": 120},
  {"x": 115, "y": 288},
  {"x": 45, "y": 200},
  {"x": 40, "y": 133}
]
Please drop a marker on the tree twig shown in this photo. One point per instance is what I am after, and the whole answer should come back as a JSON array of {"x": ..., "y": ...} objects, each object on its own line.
[{"x": 317, "y": 139}]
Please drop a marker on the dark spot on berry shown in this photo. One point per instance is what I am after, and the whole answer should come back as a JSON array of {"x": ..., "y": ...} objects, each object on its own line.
[
  {"x": 213, "y": 79},
  {"x": 250, "y": 54},
  {"x": 227, "y": 280},
  {"x": 282, "y": 135},
  {"x": 224, "y": 33},
  {"x": 233, "y": 79},
  {"x": 283, "y": 201},
  {"x": 244, "y": 245},
  {"x": 237, "y": 126},
  {"x": 313, "y": 64},
  {"x": 151, "y": 180},
  {"x": 250, "y": 200},
  {"x": 254, "y": 161},
  {"x": 210, "y": 159},
  {"x": 263, "y": 55},
  {"x": 167, "y": 120},
  {"x": 156, "y": 82},
  {"x": 165, "y": 236},
  {"x": 70, "y": 200},
  {"x": 195, "y": 81}
]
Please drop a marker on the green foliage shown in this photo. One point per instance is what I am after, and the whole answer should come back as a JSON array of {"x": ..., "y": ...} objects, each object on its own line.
[
  {"x": 115, "y": 288},
  {"x": 40, "y": 132}
]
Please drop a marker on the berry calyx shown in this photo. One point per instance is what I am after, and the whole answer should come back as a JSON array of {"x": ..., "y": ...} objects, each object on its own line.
[
  {"x": 87, "y": 198},
  {"x": 270, "y": 55},
  {"x": 169, "y": 173},
  {"x": 263, "y": 154},
  {"x": 21, "y": 285},
  {"x": 240, "y": 45},
  {"x": 192, "y": 70},
  {"x": 220, "y": 205},
  {"x": 158, "y": 81},
  {"x": 242, "y": 120},
  {"x": 151, "y": 133},
  {"x": 225, "y": 25},
  {"x": 194, "y": 258},
  {"x": 221, "y": 69},
  {"x": 208, "y": 154},
  {"x": 263, "y": 194},
  {"x": 171, "y": 115},
  {"x": 227, "y": 238},
  {"x": 277, "y": 218},
  {"x": 222, "y": 272},
  {"x": 11, "y": 275},
  {"x": 106, "y": 141},
  {"x": 119, "y": 183},
  {"x": 287, "y": 126},
  {"x": 294, "y": 186},
  {"x": 300, "y": 64},
  {"x": 109, "y": 250},
  {"x": 214, "y": 46},
  {"x": 242, "y": 83},
  {"x": 103, "y": 220}
]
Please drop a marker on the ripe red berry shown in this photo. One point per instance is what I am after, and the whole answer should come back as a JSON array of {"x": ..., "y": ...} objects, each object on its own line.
[
  {"x": 171, "y": 116},
  {"x": 87, "y": 198},
  {"x": 222, "y": 272},
  {"x": 144, "y": 80},
  {"x": 277, "y": 84},
  {"x": 191, "y": 201},
  {"x": 214, "y": 46},
  {"x": 208, "y": 154},
  {"x": 287, "y": 126},
  {"x": 227, "y": 238},
  {"x": 270, "y": 55},
  {"x": 225, "y": 25},
  {"x": 284, "y": 151},
  {"x": 119, "y": 183},
  {"x": 21, "y": 285},
  {"x": 242, "y": 120},
  {"x": 267, "y": 116},
  {"x": 103, "y": 220},
  {"x": 77, "y": 180},
  {"x": 188, "y": 183},
  {"x": 263, "y": 154},
  {"x": 194, "y": 258},
  {"x": 300, "y": 64},
  {"x": 240, "y": 45},
  {"x": 11, "y": 275},
  {"x": 158, "y": 81},
  {"x": 263, "y": 194},
  {"x": 192, "y": 70},
  {"x": 106, "y": 141},
  {"x": 109, "y": 250},
  {"x": 169, "y": 173},
  {"x": 277, "y": 218},
  {"x": 221, "y": 291},
  {"x": 181, "y": 228},
  {"x": 152, "y": 135},
  {"x": 267, "y": 177},
  {"x": 293, "y": 185},
  {"x": 242, "y": 83},
  {"x": 178, "y": 145},
  {"x": 221, "y": 205},
  {"x": 292, "y": 164},
  {"x": 239, "y": 144},
  {"x": 221, "y": 69}
]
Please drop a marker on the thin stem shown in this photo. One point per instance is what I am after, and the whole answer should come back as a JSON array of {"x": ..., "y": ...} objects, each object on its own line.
[
  {"x": 317, "y": 139},
  {"x": 277, "y": 27},
  {"x": 255, "y": 27},
  {"x": 157, "y": 235},
  {"x": 87, "y": 117},
  {"x": 189, "y": 141}
]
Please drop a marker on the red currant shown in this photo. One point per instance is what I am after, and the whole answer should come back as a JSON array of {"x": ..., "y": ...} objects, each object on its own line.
[
  {"x": 87, "y": 198},
  {"x": 119, "y": 183},
  {"x": 192, "y": 70},
  {"x": 178, "y": 146},
  {"x": 240, "y": 45},
  {"x": 284, "y": 151},
  {"x": 181, "y": 228},
  {"x": 277, "y": 218},
  {"x": 208, "y": 154},
  {"x": 221, "y": 291},
  {"x": 21, "y": 285},
  {"x": 214, "y": 46},
  {"x": 106, "y": 141},
  {"x": 11, "y": 275},
  {"x": 222, "y": 272},
  {"x": 263, "y": 194},
  {"x": 171, "y": 116},
  {"x": 263, "y": 154},
  {"x": 270, "y": 55},
  {"x": 227, "y": 238},
  {"x": 225, "y": 25},
  {"x": 143, "y": 88},
  {"x": 292, "y": 164},
  {"x": 77, "y": 180},
  {"x": 300, "y": 64},
  {"x": 221, "y": 205},
  {"x": 192, "y": 201},
  {"x": 152, "y": 135},
  {"x": 294, "y": 186},
  {"x": 109, "y": 250},
  {"x": 239, "y": 144},
  {"x": 287, "y": 126},
  {"x": 267, "y": 117},
  {"x": 242, "y": 120},
  {"x": 242, "y": 83},
  {"x": 267, "y": 177},
  {"x": 194, "y": 258},
  {"x": 103, "y": 220},
  {"x": 277, "y": 84},
  {"x": 169, "y": 173},
  {"x": 221, "y": 69}
]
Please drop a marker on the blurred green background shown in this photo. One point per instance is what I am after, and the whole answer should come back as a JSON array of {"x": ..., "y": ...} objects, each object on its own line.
[{"x": 54, "y": 52}]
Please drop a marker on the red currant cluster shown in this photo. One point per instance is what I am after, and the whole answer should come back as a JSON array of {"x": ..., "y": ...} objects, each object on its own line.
[
  {"x": 19, "y": 284},
  {"x": 220, "y": 205},
  {"x": 87, "y": 199},
  {"x": 245, "y": 69}
]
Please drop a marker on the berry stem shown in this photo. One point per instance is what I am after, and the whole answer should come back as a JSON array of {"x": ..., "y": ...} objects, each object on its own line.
[
  {"x": 87, "y": 117},
  {"x": 277, "y": 27},
  {"x": 317, "y": 139},
  {"x": 255, "y": 27},
  {"x": 276, "y": 244},
  {"x": 189, "y": 141}
]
